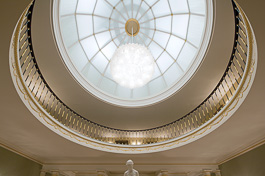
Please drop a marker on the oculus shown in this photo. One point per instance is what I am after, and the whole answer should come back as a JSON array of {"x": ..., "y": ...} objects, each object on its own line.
[{"x": 89, "y": 32}]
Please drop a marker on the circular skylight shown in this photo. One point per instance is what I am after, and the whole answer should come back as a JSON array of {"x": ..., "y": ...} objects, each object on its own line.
[{"x": 177, "y": 33}]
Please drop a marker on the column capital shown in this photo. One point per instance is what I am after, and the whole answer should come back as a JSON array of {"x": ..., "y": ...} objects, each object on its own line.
[
  {"x": 207, "y": 172},
  {"x": 102, "y": 173},
  {"x": 217, "y": 172},
  {"x": 55, "y": 173},
  {"x": 42, "y": 173},
  {"x": 162, "y": 173}
]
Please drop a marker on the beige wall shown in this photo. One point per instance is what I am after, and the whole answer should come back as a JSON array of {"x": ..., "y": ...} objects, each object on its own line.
[
  {"x": 251, "y": 163},
  {"x": 12, "y": 164}
]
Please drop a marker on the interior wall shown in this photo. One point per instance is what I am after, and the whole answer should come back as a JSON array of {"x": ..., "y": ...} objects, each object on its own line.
[
  {"x": 12, "y": 164},
  {"x": 248, "y": 164}
]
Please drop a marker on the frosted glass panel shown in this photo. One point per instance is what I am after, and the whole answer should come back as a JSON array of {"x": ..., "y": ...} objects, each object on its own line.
[
  {"x": 135, "y": 7},
  {"x": 144, "y": 9},
  {"x": 197, "y": 6},
  {"x": 150, "y": 2},
  {"x": 161, "y": 8},
  {"x": 103, "y": 38},
  {"x": 69, "y": 30},
  {"x": 157, "y": 85},
  {"x": 174, "y": 46},
  {"x": 91, "y": 73},
  {"x": 161, "y": 38},
  {"x": 78, "y": 57},
  {"x": 180, "y": 25},
  {"x": 148, "y": 26},
  {"x": 85, "y": 27},
  {"x": 100, "y": 62},
  {"x": 108, "y": 73},
  {"x": 147, "y": 41},
  {"x": 140, "y": 92},
  {"x": 164, "y": 24},
  {"x": 108, "y": 85},
  {"x": 196, "y": 29},
  {"x": 123, "y": 92},
  {"x": 164, "y": 62},
  {"x": 100, "y": 24},
  {"x": 103, "y": 8},
  {"x": 113, "y": 2},
  {"x": 109, "y": 50},
  {"x": 173, "y": 74},
  {"x": 157, "y": 72},
  {"x": 127, "y": 8},
  {"x": 155, "y": 49},
  {"x": 146, "y": 15},
  {"x": 85, "y": 6},
  {"x": 187, "y": 55},
  {"x": 67, "y": 7},
  {"x": 179, "y": 6},
  {"x": 90, "y": 46}
]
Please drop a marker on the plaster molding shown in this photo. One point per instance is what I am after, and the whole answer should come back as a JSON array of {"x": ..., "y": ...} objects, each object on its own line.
[
  {"x": 241, "y": 152},
  {"x": 55, "y": 173},
  {"x": 207, "y": 172},
  {"x": 217, "y": 172},
  {"x": 137, "y": 164},
  {"x": 54, "y": 125},
  {"x": 119, "y": 171},
  {"x": 23, "y": 154},
  {"x": 42, "y": 173}
]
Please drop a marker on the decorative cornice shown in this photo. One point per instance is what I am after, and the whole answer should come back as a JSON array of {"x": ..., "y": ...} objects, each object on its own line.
[
  {"x": 136, "y": 164},
  {"x": 20, "y": 153},
  {"x": 247, "y": 149},
  {"x": 222, "y": 161},
  {"x": 226, "y": 159},
  {"x": 201, "y": 131}
]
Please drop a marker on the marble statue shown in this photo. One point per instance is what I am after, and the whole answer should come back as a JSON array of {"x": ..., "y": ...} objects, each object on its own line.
[{"x": 130, "y": 171}]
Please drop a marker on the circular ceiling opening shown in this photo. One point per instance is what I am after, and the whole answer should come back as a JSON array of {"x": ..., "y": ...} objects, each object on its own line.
[{"x": 176, "y": 32}]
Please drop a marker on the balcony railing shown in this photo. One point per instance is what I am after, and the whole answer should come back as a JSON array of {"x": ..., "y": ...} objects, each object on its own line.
[{"x": 223, "y": 93}]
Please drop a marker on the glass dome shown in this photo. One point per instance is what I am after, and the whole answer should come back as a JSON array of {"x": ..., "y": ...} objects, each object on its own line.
[{"x": 177, "y": 33}]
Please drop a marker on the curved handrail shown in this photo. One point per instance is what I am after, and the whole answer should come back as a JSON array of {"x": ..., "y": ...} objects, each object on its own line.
[{"x": 223, "y": 93}]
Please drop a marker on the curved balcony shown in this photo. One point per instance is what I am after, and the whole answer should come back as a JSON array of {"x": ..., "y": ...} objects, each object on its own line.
[{"x": 222, "y": 102}]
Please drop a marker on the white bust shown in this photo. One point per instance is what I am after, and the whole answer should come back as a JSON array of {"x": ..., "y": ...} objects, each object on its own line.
[{"x": 130, "y": 171}]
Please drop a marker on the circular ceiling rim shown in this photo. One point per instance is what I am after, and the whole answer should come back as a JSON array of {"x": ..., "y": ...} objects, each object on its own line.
[{"x": 161, "y": 96}]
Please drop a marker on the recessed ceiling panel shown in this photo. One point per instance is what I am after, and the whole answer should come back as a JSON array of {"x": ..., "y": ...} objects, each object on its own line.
[{"x": 175, "y": 31}]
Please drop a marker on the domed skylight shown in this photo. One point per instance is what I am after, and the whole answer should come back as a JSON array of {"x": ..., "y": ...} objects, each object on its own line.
[{"x": 177, "y": 33}]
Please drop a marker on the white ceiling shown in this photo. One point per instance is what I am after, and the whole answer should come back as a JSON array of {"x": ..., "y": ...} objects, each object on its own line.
[{"x": 24, "y": 133}]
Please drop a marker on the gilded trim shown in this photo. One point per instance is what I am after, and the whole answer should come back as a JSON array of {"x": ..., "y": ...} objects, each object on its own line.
[
  {"x": 216, "y": 121},
  {"x": 138, "y": 27}
]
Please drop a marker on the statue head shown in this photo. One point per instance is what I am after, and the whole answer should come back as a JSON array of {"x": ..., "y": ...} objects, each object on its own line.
[{"x": 129, "y": 164}]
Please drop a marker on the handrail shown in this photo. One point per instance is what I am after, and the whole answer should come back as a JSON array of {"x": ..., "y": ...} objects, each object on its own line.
[{"x": 223, "y": 93}]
